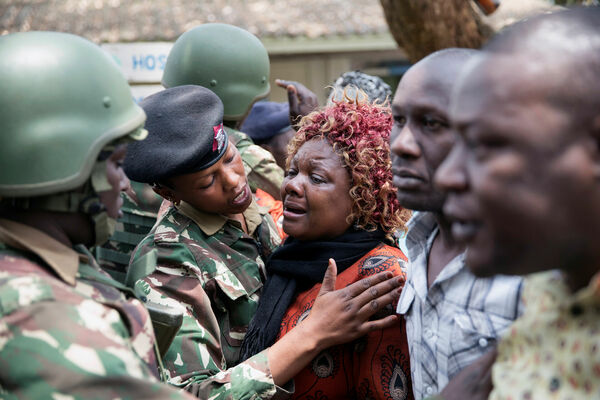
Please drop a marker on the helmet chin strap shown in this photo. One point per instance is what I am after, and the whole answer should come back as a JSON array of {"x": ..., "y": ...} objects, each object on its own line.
[
  {"x": 85, "y": 200},
  {"x": 104, "y": 225}
]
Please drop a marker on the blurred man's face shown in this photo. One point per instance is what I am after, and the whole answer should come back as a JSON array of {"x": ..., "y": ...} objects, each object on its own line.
[
  {"x": 530, "y": 170},
  {"x": 462, "y": 208}
]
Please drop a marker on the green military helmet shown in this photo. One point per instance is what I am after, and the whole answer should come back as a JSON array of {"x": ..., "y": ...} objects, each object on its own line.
[
  {"x": 62, "y": 100},
  {"x": 226, "y": 59}
]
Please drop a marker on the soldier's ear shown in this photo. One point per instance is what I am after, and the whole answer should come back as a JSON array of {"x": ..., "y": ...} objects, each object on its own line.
[
  {"x": 267, "y": 147},
  {"x": 165, "y": 192}
]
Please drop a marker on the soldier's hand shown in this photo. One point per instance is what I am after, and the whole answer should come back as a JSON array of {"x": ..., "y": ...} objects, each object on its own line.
[
  {"x": 301, "y": 99},
  {"x": 340, "y": 316},
  {"x": 474, "y": 382}
]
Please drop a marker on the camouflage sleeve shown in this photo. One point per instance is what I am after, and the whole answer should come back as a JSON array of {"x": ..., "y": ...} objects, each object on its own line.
[
  {"x": 57, "y": 344},
  {"x": 195, "y": 360},
  {"x": 260, "y": 166}
]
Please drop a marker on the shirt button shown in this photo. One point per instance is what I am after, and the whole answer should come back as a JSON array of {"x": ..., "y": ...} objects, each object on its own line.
[
  {"x": 483, "y": 342},
  {"x": 429, "y": 390},
  {"x": 554, "y": 384},
  {"x": 428, "y": 333}
]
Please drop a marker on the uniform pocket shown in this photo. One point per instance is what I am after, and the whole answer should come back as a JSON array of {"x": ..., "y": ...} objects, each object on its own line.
[
  {"x": 236, "y": 303},
  {"x": 242, "y": 280}
]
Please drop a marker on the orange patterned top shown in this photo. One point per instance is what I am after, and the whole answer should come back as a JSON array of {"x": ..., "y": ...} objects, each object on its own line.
[
  {"x": 377, "y": 366},
  {"x": 275, "y": 208}
]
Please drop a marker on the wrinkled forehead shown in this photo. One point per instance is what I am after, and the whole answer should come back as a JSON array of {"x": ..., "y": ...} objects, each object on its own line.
[
  {"x": 511, "y": 97},
  {"x": 317, "y": 149},
  {"x": 493, "y": 83},
  {"x": 429, "y": 81}
]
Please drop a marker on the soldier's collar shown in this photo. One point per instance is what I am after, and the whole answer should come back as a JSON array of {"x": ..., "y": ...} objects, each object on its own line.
[
  {"x": 212, "y": 223},
  {"x": 63, "y": 260},
  {"x": 253, "y": 216}
]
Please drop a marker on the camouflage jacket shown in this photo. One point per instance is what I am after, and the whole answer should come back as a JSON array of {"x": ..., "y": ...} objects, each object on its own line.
[
  {"x": 261, "y": 169},
  {"x": 207, "y": 267},
  {"x": 65, "y": 331}
]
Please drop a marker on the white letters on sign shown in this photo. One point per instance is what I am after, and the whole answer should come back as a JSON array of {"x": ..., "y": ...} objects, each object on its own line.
[{"x": 140, "y": 62}]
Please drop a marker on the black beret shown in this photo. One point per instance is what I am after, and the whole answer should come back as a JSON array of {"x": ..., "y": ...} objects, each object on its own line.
[
  {"x": 185, "y": 135},
  {"x": 266, "y": 119}
]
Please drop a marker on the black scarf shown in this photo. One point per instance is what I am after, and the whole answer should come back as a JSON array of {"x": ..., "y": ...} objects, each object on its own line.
[{"x": 294, "y": 267}]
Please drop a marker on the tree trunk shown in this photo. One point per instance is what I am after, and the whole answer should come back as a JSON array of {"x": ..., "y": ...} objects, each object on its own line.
[{"x": 421, "y": 27}]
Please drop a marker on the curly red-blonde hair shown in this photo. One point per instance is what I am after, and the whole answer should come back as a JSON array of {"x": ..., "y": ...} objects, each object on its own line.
[{"x": 359, "y": 132}]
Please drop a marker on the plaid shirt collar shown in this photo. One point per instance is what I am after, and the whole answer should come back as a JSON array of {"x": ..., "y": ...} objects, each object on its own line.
[{"x": 422, "y": 230}]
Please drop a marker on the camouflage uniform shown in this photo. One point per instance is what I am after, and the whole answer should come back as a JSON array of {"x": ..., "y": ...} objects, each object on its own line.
[
  {"x": 260, "y": 166},
  {"x": 209, "y": 268},
  {"x": 66, "y": 331}
]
